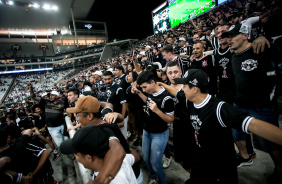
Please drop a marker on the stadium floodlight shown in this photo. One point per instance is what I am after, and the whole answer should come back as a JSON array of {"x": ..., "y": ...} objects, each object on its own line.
[
  {"x": 46, "y": 7},
  {"x": 54, "y": 8},
  {"x": 10, "y": 2},
  {"x": 35, "y": 5}
]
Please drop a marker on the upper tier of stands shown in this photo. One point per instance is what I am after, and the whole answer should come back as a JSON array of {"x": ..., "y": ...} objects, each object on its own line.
[
  {"x": 41, "y": 83},
  {"x": 8, "y": 50}
]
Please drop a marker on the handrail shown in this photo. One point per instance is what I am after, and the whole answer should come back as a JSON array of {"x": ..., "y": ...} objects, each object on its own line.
[{"x": 85, "y": 173}]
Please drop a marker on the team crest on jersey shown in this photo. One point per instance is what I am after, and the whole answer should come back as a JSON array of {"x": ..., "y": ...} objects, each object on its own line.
[
  {"x": 194, "y": 82},
  {"x": 109, "y": 93},
  {"x": 249, "y": 65},
  {"x": 204, "y": 63}
]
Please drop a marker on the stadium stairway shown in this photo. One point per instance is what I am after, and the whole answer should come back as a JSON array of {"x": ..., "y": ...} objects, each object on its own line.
[{"x": 9, "y": 89}]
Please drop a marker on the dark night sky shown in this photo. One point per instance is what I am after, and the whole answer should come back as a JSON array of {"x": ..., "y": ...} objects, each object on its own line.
[{"x": 125, "y": 18}]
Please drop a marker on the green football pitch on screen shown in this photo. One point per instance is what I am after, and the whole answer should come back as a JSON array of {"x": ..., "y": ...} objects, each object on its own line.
[{"x": 180, "y": 10}]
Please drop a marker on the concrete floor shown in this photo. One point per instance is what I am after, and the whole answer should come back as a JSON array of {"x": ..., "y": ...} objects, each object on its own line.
[{"x": 65, "y": 170}]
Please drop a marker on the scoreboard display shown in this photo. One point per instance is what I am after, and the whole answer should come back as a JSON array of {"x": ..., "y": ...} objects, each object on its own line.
[
  {"x": 181, "y": 10},
  {"x": 161, "y": 18}
]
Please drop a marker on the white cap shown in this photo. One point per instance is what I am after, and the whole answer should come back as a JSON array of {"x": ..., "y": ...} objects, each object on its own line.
[
  {"x": 148, "y": 46},
  {"x": 44, "y": 94},
  {"x": 98, "y": 73},
  {"x": 182, "y": 39},
  {"x": 54, "y": 93}
]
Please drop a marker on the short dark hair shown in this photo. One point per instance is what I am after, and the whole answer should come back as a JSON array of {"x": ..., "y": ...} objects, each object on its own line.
[
  {"x": 3, "y": 137},
  {"x": 13, "y": 131},
  {"x": 171, "y": 64},
  {"x": 120, "y": 68},
  {"x": 226, "y": 24},
  {"x": 167, "y": 48},
  {"x": 200, "y": 43},
  {"x": 146, "y": 76},
  {"x": 74, "y": 90},
  {"x": 106, "y": 73},
  {"x": 134, "y": 75}
]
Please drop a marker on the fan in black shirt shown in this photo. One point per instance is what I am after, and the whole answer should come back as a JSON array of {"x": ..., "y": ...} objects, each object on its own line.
[
  {"x": 207, "y": 64},
  {"x": 121, "y": 78},
  {"x": 212, "y": 121},
  {"x": 159, "y": 111},
  {"x": 116, "y": 96}
]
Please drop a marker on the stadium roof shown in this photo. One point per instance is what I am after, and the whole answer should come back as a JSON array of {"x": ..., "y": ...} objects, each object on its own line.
[{"x": 42, "y": 14}]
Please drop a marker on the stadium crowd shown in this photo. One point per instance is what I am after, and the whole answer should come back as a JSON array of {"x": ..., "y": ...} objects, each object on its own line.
[{"x": 215, "y": 78}]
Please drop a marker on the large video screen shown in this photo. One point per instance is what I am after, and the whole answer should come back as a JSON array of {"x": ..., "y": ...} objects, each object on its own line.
[
  {"x": 181, "y": 10},
  {"x": 221, "y": 1},
  {"x": 161, "y": 18}
]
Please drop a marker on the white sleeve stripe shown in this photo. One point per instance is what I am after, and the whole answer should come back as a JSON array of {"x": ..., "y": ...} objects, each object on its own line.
[
  {"x": 38, "y": 155},
  {"x": 218, "y": 109},
  {"x": 122, "y": 102},
  {"x": 246, "y": 123},
  {"x": 164, "y": 100},
  {"x": 169, "y": 113},
  {"x": 107, "y": 108},
  {"x": 112, "y": 138},
  {"x": 213, "y": 60},
  {"x": 35, "y": 146},
  {"x": 118, "y": 90}
]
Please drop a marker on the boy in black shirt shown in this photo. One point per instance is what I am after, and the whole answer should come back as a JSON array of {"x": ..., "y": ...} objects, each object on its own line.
[
  {"x": 116, "y": 96},
  {"x": 159, "y": 111},
  {"x": 212, "y": 120}
]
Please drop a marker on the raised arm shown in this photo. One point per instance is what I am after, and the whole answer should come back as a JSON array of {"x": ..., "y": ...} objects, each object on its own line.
[
  {"x": 169, "y": 89},
  {"x": 112, "y": 162},
  {"x": 32, "y": 95},
  {"x": 136, "y": 66}
]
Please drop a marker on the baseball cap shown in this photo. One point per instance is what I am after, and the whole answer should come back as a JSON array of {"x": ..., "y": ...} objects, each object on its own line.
[
  {"x": 236, "y": 29},
  {"x": 85, "y": 104},
  {"x": 98, "y": 73},
  {"x": 54, "y": 93},
  {"x": 196, "y": 77},
  {"x": 148, "y": 46},
  {"x": 90, "y": 140},
  {"x": 182, "y": 39}
]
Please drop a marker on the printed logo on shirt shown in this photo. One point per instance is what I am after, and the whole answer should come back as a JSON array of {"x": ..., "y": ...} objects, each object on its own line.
[
  {"x": 108, "y": 94},
  {"x": 196, "y": 123},
  {"x": 204, "y": 63},
  {"x": 147, "y": 109},
  {"x": 223, "y": 62},
  {"x": 249, "y": 65}
]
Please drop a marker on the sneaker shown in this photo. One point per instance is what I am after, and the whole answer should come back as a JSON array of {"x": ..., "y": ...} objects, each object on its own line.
[
  {"x": 241, "y": 161},
  {"x": 253, "y": 155},
  {"x": 153, "y": 181},
  {"x": 166, "y": 163},
  {"x": 137, "y": 142},
  {"x": 56, "y": 154}
]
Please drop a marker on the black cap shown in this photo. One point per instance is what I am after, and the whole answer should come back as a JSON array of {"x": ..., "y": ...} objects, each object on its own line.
[
  {"x": 196, "y": 77},
  {"x": 208, "y": 28},
  {"x": 89, "y": 140},
  {"x": 236, "y": 29},
  {"x": 86, "y": 93}
]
